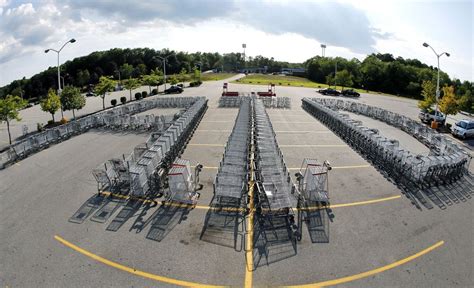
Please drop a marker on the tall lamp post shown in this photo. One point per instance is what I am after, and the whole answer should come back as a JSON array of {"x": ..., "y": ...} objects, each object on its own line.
[
  {"x": 164, "y": 66},
  {"x": 244, "y": 46},
  {"x": 59, "y": 73},
  {"x": 323, "y": 49},
  {"x": 437, "y": 81}
]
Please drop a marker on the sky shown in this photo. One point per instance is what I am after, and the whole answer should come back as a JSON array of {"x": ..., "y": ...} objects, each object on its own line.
[{"x": 288, "y": 30}]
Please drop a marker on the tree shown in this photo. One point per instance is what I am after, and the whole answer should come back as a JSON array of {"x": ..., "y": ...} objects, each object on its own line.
[
  {"x": 448, "y": 104},
  {"x": 83, "y": 77},
  {"x": 330, "y": 79},
  {"x": 183, "y": 75},
  {"x": 344, "y": 78},
  {"x": 51, "y": 103},
  {"x": 131, "y": 84},
  {"x": 72, "y": 99},
  {"x": 104, "y": 86},
  {"x": 9, "y": 111},
  {"x": 428, "y": 93},
  {"x": 150, "y": 80},
  {"x": 197, "y": 74},
  {"x": 173, "y": 80},
  {"x": 126, "y": 71}
]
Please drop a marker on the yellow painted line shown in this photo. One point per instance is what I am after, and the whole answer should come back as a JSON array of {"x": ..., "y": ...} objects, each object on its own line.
[
  {"x": 353, "y": 203},
  {"x": 129, "y": 269},
  {"x": 303, "y": 131},
  {"x": 249, "y": 252},
  {"x": 228, "y": 209},
  {"x": 206, "y": 145},
  {"x": 217, "y": 131},
  {"x": 250, "y": 220},
  {"x": 371, "y": 272},
  {"x": 315, "y": 145},
  {"x": 334, "y": 167},
  {"x": 298, "y": 168},
  {"x": 17, "y": 164},
  {"x": 233, "y": 209},
  {"x": 295, "y": 122}
]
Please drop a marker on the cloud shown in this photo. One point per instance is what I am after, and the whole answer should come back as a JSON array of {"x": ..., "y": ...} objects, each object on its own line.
[
  {"x": 44, "y": 22},
  {"x": 184, "y": 11},
  {"x": 24, "y": 27},
  {"x": 332, "y": 23}
]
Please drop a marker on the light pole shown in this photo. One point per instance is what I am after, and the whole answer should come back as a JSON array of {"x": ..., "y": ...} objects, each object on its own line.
[
  {"x": 437, "y": 81},
  {"x": 164, "y": 66},
  {"x": 59, "y": 73},
  {"x": 120, "y": 78},
  {"x": 62, "y": 78},
  {"x": 244, "y": 46},
  {"x": 323, "y": 49}
]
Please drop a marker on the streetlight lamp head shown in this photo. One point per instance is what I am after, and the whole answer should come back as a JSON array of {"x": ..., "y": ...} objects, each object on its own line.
[
  {"x": 72, "y": 40},
  {"x": 46, "y": 51},
  {"x": 425, "y": 44},
  {"x": 447, "y": 54}
]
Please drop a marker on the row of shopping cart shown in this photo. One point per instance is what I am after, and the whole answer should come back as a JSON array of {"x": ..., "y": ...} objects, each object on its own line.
[
  {"x": 275, "y": 192},
  {"x": 438, "y": 144},
  {"x": 141, "y": 171},
  {"x": 232, "y": 175},
  {"x": 422, "y": 170},
  {"x": 140, "y": 123},
  {"x": 113, "y": 117},
  {"x": 268, "y": 102}
]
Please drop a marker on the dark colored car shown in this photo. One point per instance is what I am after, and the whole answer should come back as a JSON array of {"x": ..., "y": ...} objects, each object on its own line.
[
  {"x": 350, "y": 92},
  {"x": 90, "y": 93},
  {"x": 329, "y": 91},
  {"x": 174, "y": 89}
]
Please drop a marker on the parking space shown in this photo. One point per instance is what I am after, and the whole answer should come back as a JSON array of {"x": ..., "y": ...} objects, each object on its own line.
[{"x": 372, "y": 223}]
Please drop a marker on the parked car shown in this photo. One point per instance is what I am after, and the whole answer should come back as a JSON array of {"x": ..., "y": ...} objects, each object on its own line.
[
  {"x": 174, "y": 89},
  {"x": 463, "y": 129},
  {"x": 90, "y": 93},
  {"x": 428, "y": 116},
  {"x": 350, "y": 92},
  {"x": 180, "y": 85},
  {"x": 329, "y": 91}
]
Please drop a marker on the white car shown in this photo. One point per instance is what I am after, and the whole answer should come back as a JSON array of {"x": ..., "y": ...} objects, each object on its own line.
[{"x": 463, "y": 129}]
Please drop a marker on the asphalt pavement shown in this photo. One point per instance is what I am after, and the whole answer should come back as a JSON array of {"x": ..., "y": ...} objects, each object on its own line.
[{"x": 376, "y": 236}]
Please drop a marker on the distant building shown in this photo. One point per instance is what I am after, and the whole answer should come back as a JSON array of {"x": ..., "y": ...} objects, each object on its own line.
[
  {"x": 294, "y": 71},
  {"x": 254, "y": 70}
]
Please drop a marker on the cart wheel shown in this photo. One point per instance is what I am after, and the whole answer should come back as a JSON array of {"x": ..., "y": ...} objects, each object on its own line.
[{"x": 299, "y": 238}]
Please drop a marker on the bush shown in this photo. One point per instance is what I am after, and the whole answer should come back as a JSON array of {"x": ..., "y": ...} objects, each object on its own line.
[
  {"x": 113, "y": 102},
  {"x": 195, "y": 83},
  {"x": 50, "y": 122},
  {"x": 39, "y": 127},
  {"x": 138, "y": 95},
  {"x": 144, "y": 94},
  {"x": 154, "y": 92},
  {"x": 123, "y": 99},
  {"x": 63, "y": 120}
]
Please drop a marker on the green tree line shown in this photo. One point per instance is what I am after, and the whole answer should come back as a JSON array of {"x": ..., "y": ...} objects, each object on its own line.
[
  {"x": 384, "y": 73},
  {"x": 377, "y": 72}
]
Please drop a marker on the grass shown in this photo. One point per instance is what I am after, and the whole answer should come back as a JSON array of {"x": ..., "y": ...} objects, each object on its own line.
[
  {"x": 292, "y": 81},
  {"x": 216, "y": 76}
]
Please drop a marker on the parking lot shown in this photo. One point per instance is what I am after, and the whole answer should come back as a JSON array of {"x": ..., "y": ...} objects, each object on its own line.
[{"x": 378, "y": 237}]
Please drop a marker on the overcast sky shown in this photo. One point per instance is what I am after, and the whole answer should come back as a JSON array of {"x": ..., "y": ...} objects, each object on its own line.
[{"x": 286, "y": 30}]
